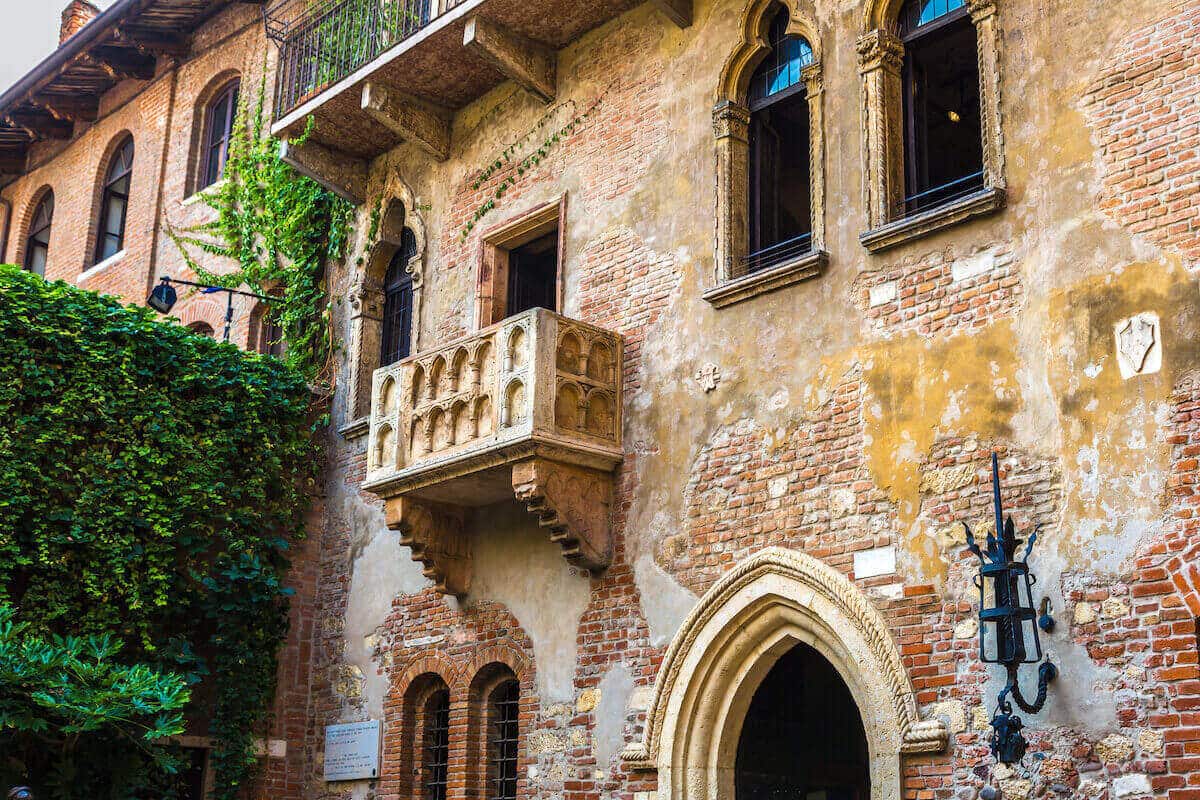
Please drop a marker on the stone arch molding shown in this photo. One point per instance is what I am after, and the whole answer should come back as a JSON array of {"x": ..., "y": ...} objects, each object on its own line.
[
  {"x": 397, "y": 210},
  {"x": 762, "y": 608}
]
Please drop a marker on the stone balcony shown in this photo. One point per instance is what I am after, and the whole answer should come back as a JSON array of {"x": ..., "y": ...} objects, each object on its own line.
[
  {"x": 529, "y": 408},
  {"x": 374, "y": 73}
]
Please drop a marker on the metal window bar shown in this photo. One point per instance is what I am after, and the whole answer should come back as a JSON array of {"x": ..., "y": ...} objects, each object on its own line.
[
  {"x": 320, "y": 43},
  {"x": 437, "y": 747},
  {"x": 940, "y": 195},
  {"x": 777, "y": 254},
  {"x": 503, "y": 745}
]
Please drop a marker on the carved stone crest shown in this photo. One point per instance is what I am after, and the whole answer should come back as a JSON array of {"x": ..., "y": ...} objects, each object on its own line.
[
  {"x": 708, "y": 376},
  {"x": 1139, "y": 345}
]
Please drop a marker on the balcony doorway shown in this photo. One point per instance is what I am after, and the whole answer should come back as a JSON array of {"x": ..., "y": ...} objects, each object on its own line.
[
  {"x": 802, "y": 738},
  {"x": 521, "y": 266}
]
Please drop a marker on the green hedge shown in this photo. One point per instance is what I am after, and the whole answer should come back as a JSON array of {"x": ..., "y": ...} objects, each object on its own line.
[{"x": 150, "y": 482}]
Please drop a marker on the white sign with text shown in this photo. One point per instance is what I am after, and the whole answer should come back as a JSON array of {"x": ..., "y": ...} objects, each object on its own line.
[{"x": 352, "y": 751}]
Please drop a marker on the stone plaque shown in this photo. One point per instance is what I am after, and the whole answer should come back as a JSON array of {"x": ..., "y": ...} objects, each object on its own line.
[{"x": 352, "y": 751}]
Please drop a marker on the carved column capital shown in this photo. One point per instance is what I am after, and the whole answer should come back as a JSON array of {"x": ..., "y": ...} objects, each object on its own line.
[
  {"x": 731, "y": 120},
  {"x": 814, "y": 79},
  {"x": 366, "y": 300},
  {"x": 880, "y": 50},
  {"x": 981, "y": 9},
  {"x": 434, "y": 532},
  {"x": 574, "y": 503}
]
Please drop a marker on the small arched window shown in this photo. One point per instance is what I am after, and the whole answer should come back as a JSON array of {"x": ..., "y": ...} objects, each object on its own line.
[
  {"x": 114, "y": 202},
  {"x": 268, "y": 330},
  {"x": 202, "y": 329},
  {"x": 780, "y": 180},
  {"x": 503, "y": 739},
  {"x": 943, "y": 134},
  {"x": 398, "y": 303},
  {"x": 219, "y": 118},
  {"x": 37, "y": 242},
  {"x": 435, "y": 763}
]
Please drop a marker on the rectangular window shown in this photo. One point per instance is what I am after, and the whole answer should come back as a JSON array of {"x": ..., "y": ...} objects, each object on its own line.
[
  {"x": 437, "y": 746},
  {"x": 780, "y": 195},
  {"x": 504, "y": 735},
  {"x": 521, "y": 268},
  {"x": 943, "y": 127}
]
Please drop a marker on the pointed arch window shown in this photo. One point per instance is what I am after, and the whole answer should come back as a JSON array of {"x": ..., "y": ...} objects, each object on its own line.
[
  {"x": 114, "y": 202},
  {"x": 37, "y": 242},
  {"x": 219, "y": 118},
  {"x": 398, "y": 303},
  {"x": 780, "y": 133},
  {"x": 943, "y": 135}
]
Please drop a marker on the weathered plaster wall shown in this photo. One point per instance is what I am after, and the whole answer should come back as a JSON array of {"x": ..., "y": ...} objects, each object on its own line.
[{"x": 852, "y": 412}]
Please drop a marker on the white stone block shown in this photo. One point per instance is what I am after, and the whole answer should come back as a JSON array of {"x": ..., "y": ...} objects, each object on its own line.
[
  {"x": 1131, "y": 785},
  {"x": 883, "y": 293},
  {"x": 1139, "y": 345},
  {"x": 870, "y": 563},
  {"x": 972, "y": 266}
]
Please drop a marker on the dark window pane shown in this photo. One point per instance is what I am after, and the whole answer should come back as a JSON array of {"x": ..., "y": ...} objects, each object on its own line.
[
  {"x": 943, "y": 130},
  {"x": 503, "y": 739},
  {"x": 220, "y": 119},
  {"x": 533, "y": 275},
  {"x": 917, "y": 13},
  {"x": 398, "y": 303},
  {"x": 37, "y": 244},
  {"x": 114, "y": 204},
  {"x": 780, "y": 199}
]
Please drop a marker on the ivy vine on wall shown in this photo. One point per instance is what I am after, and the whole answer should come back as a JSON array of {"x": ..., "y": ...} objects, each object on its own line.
[
  {"x": 151, "y": 482},
  {"x": 280, "y": 228}
]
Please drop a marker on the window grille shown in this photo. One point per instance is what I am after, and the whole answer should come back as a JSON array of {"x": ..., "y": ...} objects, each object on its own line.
[
  {"x": 502, "y": 748},
  {"x": 437, "y": 746}
]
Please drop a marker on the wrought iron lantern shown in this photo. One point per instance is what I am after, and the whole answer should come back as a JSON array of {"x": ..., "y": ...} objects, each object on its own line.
[{"x": 1008, "y": 624}]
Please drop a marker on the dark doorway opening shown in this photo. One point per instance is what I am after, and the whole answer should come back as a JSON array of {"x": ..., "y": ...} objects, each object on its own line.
[
  {"x": 533, "y": 275},
  {"x": 943, "y": 129},
  {"x": 803, "y": 738}
]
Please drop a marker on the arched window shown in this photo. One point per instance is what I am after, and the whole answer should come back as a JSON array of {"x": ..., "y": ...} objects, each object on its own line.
[
  {"x": 202, "y": 329},
  {"x": 37, "y": 242},
  {"x": 435, "y": 762},
  {"x": 398, "y": 303},
  {"x": 780, "y": 183},
  {"x": 219, "y": 118},
  {"x": 943, "y": 137},
  {"x": 114, "y": 202},
  {"x": 503, "y": 736}
]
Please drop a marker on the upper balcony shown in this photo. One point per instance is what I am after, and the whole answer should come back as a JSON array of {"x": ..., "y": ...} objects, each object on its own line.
[
  {"x": 374, "y": 73},
  {"x": 528, "y": 408}
]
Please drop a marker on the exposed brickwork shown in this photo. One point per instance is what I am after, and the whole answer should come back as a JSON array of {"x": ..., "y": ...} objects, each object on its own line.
[
  {"x": 75, "y": 16},
  {"x": 1145, "y": 113},
  {"x": 940, "y": 293}
]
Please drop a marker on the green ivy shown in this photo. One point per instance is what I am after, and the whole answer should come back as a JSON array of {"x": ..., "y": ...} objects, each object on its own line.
[
  {"x": 280, "y": 228},
  {"x": 151, "y": 481}
]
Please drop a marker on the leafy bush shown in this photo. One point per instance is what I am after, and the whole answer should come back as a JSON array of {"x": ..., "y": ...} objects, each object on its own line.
[{"x": 150, "y": 482}]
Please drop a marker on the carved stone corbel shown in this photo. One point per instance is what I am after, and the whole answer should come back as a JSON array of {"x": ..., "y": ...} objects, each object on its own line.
[
  {"x": 434, "y": 532},
  {"x": 574, "y": 503}
]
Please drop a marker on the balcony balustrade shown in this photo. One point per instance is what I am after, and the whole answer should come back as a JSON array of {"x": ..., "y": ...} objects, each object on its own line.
[
  {"x": 375, "y": 73},
  {"x": 528, "y": 408}
]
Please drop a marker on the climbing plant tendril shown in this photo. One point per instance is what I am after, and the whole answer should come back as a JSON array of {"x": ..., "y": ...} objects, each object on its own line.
[{"x": 151, "y": 482}]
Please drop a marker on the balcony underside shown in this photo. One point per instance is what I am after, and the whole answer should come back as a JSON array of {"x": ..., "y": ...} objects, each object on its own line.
[{"x": 434, "y": 66}]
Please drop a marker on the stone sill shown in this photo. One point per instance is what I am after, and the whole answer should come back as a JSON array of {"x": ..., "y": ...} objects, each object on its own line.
[
  {"x": 981, "y": 203},
  {"x": 355, "y": 428},
  {"x": 207, "y": 193},
  {"x": 807, "y": 266},
  {"x": 96, "y": 269}
]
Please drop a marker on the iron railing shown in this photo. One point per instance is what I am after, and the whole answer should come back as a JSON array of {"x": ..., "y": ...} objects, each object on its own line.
[
  {"x": 940, "y": 195},
  {"x": 323, "y": 41},
  {"x": 777, "y": 254}
]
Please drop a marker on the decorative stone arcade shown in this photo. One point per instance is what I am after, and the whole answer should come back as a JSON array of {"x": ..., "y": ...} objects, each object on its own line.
[{"x": 527, "y": 408}]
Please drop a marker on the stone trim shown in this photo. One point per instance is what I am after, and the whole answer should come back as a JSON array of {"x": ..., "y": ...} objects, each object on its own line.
[
  {"x": 355, "y": 429},
  {"x": 731, "y": 125},
  {"x": 806, "y": 266},
  {"x": 739, "y": 628},
  {"x": 880, "y": 58},
  {"x": 981, "y": 203}
]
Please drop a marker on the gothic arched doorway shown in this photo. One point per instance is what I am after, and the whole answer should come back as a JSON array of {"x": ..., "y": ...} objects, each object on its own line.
[{"x": 802, "y": 738}]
